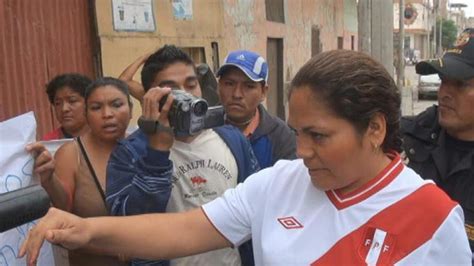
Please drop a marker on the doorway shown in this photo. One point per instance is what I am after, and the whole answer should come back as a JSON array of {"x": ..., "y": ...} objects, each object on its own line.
[{"x": 275, "y": 95}]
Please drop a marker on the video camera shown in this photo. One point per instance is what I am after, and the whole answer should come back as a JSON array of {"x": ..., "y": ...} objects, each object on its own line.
[
  {"x": 189, "y": 114},
  {"x": 21, "y": 206}
]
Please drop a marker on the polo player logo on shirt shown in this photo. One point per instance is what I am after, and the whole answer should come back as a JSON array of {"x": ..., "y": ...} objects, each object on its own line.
[
  {"x": 197, "y": 181},
  {"x": 290, "y": 222}
]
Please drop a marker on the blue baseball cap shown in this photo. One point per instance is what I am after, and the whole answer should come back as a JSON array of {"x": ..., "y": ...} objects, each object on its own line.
[{"x": 252, "y": 64}]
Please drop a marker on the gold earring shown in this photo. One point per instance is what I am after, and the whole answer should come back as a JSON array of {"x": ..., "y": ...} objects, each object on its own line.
[{"x": 375, "y": 146}]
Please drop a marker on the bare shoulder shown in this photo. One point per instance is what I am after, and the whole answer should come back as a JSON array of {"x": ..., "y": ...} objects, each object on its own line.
[
  {"x": 66, "y": 152},
  {"x": 67, "y": 159}
]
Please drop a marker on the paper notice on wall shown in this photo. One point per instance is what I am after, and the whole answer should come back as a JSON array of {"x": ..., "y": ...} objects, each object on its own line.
[
  {"x": 183, "y": 9},
  {"x": 16, "y": 167},
  {"x": 133, "y": 15}
]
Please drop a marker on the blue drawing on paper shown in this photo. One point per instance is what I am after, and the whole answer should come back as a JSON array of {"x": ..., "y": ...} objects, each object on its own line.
[{"x": 14, "y": 181}]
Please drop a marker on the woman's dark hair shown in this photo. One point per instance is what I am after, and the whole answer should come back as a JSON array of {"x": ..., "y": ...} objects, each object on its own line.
[
  {"x": 75, "y": 81},
  {"x": 108, "y": 81},
  {"x": 355, "y": 87},
  {"x": 161, "y": 59}
]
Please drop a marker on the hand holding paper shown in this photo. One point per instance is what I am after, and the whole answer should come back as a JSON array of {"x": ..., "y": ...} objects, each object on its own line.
[{"x": 44, "y": 161}]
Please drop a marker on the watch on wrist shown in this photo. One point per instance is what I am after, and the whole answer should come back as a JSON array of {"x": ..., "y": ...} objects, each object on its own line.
[{"x": 150, "y": 127}]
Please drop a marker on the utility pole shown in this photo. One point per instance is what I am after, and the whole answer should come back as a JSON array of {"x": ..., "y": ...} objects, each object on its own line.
[
  {"x": 429, "y": 36},
  {"x": 435, "y": 30},
  {"x": 440, "y": 36},
  {"x": 364, "y": 26},
  {"x": 375, "y": 34},
  {"x": 407, "y": 95},
  {"x": 401, "y": 47},
  {"x": 376, "y": 39}
]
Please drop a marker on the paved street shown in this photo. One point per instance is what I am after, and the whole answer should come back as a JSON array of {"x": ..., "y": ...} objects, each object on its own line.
[{"x": 412, "y": 82}]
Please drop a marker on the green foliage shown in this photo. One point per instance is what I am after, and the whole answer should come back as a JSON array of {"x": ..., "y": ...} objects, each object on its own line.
[{"x": 449, "y": 33}]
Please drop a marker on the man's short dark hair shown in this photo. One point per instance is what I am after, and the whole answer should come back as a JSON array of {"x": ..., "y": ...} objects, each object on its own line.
[
  {"x": 75, "y": 81},
  {"x": 225, "y": 71},
  {"x": 161, "y": 59}
]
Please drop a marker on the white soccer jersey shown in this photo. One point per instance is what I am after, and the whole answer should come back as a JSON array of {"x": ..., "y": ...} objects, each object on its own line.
[{"x": 396, "y": 218}]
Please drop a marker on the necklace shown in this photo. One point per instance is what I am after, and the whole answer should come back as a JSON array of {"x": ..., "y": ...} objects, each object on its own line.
[{"x": 239, "y": 124}]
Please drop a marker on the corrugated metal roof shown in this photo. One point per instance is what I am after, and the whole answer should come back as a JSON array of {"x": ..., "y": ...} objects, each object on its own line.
[{"x": 40, "y": 39}]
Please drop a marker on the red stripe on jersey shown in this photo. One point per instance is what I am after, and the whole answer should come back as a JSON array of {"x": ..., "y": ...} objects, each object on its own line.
[
  {"x": 409, "y": 223},
  {"x": 384, "y": 178}
]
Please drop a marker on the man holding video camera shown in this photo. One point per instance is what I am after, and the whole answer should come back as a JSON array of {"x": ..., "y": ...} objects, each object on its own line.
[{"x": 177, "y": 160}]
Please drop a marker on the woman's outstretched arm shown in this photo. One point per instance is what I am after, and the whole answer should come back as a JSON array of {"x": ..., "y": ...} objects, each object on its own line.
[{"x": 151, "y": 236}]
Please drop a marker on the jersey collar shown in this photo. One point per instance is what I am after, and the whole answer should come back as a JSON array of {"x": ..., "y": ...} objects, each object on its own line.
[{"x": 384, "y": 178}]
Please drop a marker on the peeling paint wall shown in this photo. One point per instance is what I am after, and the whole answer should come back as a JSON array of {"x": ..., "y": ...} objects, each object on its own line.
[
  {"x": 233, "y": 24},
  {"x": 119, "y": 49},
  {"x": 239, "y": 19},
  {"x": 246, "y": 27}
]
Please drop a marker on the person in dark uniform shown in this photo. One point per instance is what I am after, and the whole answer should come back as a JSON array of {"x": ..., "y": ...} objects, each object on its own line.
[{"x": 439, "y": 142}]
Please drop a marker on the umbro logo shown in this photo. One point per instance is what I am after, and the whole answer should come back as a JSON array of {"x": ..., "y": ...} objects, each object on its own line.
[
  {"x": 290, "y": 222},
  {"x": 241, "y": 57}
]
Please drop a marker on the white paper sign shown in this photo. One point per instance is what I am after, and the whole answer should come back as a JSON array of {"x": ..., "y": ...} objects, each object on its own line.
[
  {"x": 133, "y": 15},
  {"x": 183, "y": 9},
  {"x": 53, "y": 145},
  {"x": 16, "y": 167}
]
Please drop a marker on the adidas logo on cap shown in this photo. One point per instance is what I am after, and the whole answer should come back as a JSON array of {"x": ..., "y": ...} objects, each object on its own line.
[{"x": 251, "y": 63}]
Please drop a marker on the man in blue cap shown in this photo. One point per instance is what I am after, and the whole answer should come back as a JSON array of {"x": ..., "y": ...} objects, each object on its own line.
[
  {"x": 242, "y": 88},
  {"x": 439, "y": 142}
]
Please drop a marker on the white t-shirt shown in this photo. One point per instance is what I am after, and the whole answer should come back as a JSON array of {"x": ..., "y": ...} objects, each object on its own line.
[
  {"x": 397, "y": 218},
  {"x": 202, "y": 171}
]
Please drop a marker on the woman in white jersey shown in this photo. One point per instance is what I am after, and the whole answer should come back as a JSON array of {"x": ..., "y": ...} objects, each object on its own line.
[{"x": 347, "y": 200}]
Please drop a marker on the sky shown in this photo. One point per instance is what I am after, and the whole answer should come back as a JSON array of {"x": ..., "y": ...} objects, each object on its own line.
[{"x": 469, "y": 9}]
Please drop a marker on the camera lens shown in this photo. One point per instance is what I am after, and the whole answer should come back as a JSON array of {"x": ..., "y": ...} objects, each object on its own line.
[{"x": 200, "y": 108}]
